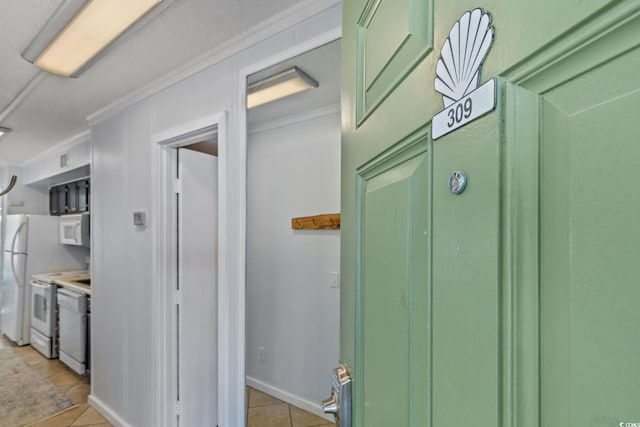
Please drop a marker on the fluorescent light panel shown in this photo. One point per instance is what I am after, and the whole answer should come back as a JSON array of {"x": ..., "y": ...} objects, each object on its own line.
[
  {"x": 283, "y": 84},
  {"x": 95, "y": 25}
]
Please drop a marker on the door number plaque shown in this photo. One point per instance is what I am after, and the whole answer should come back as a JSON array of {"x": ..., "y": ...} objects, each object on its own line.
[{"x": 458, "y": 74}]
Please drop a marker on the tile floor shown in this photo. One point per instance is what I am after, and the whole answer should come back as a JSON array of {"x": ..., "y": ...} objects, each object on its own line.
[
  {"x": 263, "y": 410},
  {"x": 75, "y": 387},
  {"x": 267, "y": 411}
]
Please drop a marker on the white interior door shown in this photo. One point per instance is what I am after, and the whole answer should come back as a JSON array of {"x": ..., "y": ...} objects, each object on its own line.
[{"x": 197, "y": 289}]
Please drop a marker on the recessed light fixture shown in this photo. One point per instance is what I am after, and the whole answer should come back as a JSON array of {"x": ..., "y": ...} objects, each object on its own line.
[
  {"x": 79, "y": 30},
  {"x": 280, "y": 85},
  {"x": 4, "y": 130}
]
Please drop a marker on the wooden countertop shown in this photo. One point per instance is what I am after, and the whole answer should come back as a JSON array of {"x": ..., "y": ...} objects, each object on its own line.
[{"x": 73, "y": 284}]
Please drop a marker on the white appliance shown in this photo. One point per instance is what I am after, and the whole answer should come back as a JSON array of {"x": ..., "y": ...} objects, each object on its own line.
[
  {"x": 43, "y": 334},
  {"x": 74, "y": 230},
  {"x": 44, "y": 311},
  {"x": 72, "y": 312},
  {"x": 30, "y": 245}
]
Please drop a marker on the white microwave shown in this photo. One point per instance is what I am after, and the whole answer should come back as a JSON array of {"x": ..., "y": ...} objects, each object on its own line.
[{"x": 74, "y": 230}]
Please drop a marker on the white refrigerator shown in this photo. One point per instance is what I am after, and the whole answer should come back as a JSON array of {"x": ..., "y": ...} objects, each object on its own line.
[{"x": 31, "y": 245}]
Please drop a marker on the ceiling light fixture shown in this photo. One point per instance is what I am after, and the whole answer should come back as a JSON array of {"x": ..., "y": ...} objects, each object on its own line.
[
  {"x": 280, "y": 85},
  {"x": 4, "y": 131},
  {"x": 81, "y": 29}
]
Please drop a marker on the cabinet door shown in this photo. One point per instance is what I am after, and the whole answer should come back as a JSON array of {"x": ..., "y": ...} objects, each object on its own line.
[
  {"x": 53, "y": 201},
  {"x": 83, "y": 195},
  {"x": 72, "y": 197},
  {"x": 58, "y": 200}
]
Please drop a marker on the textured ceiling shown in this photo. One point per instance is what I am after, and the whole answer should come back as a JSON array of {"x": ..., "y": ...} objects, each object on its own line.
[{"x": 56, "y": 109}]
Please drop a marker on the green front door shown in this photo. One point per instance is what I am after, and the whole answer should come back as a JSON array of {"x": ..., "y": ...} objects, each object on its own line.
[{"x": 516, "y": 302}]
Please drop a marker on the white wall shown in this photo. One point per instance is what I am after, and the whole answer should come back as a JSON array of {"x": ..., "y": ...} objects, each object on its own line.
[
  {"x": 122, "y": 328},
  {"x": 292, "y": 311},
  {"x": 124, "y": 377},
  {"x": 46, "y": 169},
  {"x": 23, "y": 199}
]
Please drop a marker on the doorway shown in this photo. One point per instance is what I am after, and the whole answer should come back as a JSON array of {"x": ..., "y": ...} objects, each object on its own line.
[
  {"x": 292, "y": 287},
  {"x": 187, "y": 272}
]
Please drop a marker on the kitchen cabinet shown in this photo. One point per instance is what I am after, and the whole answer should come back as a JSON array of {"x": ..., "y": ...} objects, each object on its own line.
[
  {"x": 58, "y": 200},
  {"x": 69, "y": 198},
  {"x": 82, "y": 187},
  {"x": 78, "y": 196}
]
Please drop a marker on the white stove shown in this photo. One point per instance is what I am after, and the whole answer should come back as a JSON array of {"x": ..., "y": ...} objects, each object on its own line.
[{"x": 44, "y": 314}]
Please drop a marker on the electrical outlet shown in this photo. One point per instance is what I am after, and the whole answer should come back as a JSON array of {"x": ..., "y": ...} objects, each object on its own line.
[
  {"x": 334, "y": 279},
  {"x": 262, "y": 354}
]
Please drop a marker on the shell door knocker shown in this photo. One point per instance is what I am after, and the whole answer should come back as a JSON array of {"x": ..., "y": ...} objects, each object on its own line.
[{"x": 464, "y": 51}]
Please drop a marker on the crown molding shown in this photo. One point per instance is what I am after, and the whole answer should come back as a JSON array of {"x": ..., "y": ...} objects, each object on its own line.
[
  {"x": 268, "y": 28},
  {"x": 291, "y": 120},
  {"x": 79, "y": 138}
]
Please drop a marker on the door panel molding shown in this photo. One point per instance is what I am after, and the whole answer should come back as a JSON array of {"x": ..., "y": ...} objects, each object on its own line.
[
  {"x": 400, "y": 152},
  {"x": 520, "y": 259},
  {"x": 609, "y": 34},
  {"x": 375, "y": 79},
  {"x": 402, "y": 174}
]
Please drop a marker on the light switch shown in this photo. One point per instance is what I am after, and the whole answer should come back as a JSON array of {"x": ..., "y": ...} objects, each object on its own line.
[{"x": 334, "y": 279}]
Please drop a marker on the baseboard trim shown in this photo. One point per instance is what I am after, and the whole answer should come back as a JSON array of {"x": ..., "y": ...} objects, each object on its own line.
[
  {"x": 312, "y": 407},
  {"x": 106, "y": 412}
]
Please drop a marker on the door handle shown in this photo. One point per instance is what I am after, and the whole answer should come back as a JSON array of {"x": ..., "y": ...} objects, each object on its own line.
[
  {"x": 13, "y": 270},
  {"x": 330, "y": 405},
  {"x": 339, "y": 404},
  {"x": 15, "y": 236}
]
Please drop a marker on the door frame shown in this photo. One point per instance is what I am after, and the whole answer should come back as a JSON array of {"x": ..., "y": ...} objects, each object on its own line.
[
  {"x": 232, "y": 374},
  {"x": 164, "y": 147}
]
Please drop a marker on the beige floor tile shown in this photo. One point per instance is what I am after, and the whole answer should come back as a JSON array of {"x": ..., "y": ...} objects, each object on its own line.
[
  {"x": 258, "y": 398},
  {"x": 62, "y": 379},
  {"x": 49, "y": 367},
  {"x": 90, "y": 417},
  {"x": 30, "y": 355},
  {"x": 300, "y": 418},
  {"x": 78, "y": 393},
  {"x": 63, "y": 420},
  {"x": 269, "y": 416},
  {"x": 66, "y": 388}
]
